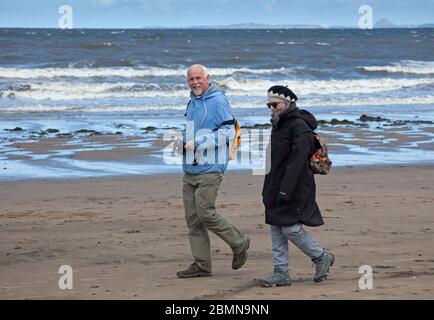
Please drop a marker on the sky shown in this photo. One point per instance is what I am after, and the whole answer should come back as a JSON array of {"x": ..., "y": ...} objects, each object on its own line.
[{"x": 184, "y": 13}]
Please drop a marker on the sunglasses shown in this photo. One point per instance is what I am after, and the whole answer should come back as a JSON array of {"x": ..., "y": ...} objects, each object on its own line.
[{"x": 272, "y": 104}]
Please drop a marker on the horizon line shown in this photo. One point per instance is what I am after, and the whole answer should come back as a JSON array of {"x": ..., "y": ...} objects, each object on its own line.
[{"x": 421, "y": 26}]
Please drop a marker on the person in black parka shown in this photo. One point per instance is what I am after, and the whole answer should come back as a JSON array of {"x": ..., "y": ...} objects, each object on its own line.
[{"x": 289, "y": 187}]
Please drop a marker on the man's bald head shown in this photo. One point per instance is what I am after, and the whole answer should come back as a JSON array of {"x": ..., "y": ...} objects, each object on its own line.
[
  {"x": 198, "y": 79},
  {"x": 198, "y": 68}
]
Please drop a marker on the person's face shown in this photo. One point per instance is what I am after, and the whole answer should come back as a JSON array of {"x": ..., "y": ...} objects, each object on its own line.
[
  {"x": 277, "y": 107},
  {"x": 197, "y": 81}
]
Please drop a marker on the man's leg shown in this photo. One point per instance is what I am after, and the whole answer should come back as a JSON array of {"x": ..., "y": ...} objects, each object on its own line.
[
  {"x": 206, "y": 195},
  {"x": 197, "y": 234}
]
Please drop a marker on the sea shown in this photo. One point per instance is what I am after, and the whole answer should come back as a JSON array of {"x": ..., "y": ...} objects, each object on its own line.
[{"x": 114, "y": 80}]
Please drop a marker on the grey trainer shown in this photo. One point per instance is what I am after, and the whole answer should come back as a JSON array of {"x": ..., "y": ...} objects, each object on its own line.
[
  {"x": 193, "y": 271},
  {"x": 322, "y": 266},
  {"x": 278, "y": 278}
]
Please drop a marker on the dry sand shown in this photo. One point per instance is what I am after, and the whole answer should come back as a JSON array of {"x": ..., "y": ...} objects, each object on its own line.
[{"x": 125, "y": 238}]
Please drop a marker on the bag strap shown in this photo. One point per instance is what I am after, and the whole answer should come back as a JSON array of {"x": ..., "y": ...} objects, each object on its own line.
[
  {"x": 233, "y": 121},
  {"x": 186, "y": 109},
  {"x": 316, "y": 143}
]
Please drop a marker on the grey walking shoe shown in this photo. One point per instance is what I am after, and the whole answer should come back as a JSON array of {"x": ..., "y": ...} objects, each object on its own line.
[
  {"x": 193, "y": 271},
  {"x": 241, "y": 257},
  {"x": 278, "y": 278},
  {"x": 322, "y": 266}
]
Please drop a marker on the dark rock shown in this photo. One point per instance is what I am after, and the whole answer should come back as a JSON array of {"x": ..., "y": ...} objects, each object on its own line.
[
  {"x": 85, "y": 131},
  {"x": 345, "y": 121},
  {"x": 11, "y": 95},
  {"x": 20, "y": 87},
  {"x": 400, "y": 122},
  {"x": 365, "y": 118},
  {"x": 149, "y": 128},
  {"x": 405, "y": 122},
  {"x": 51, "y": 130},
  {"x": 16, "y": 129},
  {"x": 64, "y": 135},
  {"x": 340, "y": 122}
]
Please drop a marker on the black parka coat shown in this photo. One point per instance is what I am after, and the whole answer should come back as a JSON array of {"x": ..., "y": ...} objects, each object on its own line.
[{"x": 289, "y": 187}]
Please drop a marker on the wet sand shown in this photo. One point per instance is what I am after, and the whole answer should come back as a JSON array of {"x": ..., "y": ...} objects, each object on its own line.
[
  {"x": 125, "y": 238},
  {"x": 88, "y": 153}
]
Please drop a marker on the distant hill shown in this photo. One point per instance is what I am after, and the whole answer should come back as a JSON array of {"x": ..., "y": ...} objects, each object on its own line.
[
  {"x": 383, "y": 23},
  {"x": 426, "y": 25},
  {"x": 262, "y": 26}
]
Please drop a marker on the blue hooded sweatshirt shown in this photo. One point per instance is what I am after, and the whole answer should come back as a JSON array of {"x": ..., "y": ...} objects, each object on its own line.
[{"x": 205, "y": 116}]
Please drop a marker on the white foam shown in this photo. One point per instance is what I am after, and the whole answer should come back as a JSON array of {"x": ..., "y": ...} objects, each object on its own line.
[
  {"x": 126, "y": 72},
  {"x": 257, "y": 104},
  {"x": 417, "y": 100},
  {"x": 70, "y": 91},
  {"x": 40, "y": 108},
  {"x": 238, "y": 88},
  {"x": 371, "y": 101},
  {"x": 406, "y": 66},
  {"x": 255, "y": 87}
]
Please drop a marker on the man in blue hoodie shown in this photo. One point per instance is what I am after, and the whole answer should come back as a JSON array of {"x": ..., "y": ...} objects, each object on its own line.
[{"x": 209, "y": 127}]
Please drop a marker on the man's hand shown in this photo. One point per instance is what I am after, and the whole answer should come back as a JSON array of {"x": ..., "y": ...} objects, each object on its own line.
[{"x": 189, "y": 145}]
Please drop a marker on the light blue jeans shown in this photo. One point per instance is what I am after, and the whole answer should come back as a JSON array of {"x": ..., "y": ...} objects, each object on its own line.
[{"x": 299, "y": 237}]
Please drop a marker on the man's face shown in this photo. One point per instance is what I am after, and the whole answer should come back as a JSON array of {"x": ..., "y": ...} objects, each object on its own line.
[{"x": 197, "y": 81}]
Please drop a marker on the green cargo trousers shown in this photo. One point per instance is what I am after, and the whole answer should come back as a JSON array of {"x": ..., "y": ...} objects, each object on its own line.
[{"x": 199, "y": 195}]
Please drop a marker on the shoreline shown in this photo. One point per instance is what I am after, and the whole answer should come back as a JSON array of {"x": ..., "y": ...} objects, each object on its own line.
[
  {"x": 228, "y": 172},
  {"x": 133, "y": 151}
]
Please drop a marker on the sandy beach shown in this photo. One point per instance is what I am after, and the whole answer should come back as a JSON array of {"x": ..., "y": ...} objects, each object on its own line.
[{"x": 125, "y": 238}]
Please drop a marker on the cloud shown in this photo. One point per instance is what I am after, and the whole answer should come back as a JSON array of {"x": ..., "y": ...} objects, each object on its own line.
[
  {"x": 270, "y": 5},
  {"x": 103, "y": 3},
  {"x": 162, "y": 4}
]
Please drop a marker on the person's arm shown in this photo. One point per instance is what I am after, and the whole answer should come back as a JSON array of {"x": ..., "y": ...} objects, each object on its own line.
[{"x": 301, "y": 148}]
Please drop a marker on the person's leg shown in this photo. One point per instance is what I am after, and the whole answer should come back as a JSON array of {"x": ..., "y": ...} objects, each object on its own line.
[
  {"x": 205, "y": 195},
  {"x": 280, "y": 275},
  {"x": 322, "y": 259},
  {"x": 302, "y": 240},
  {"x": 279, "y": 245},
  {"x": 197, "y": 233}
]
